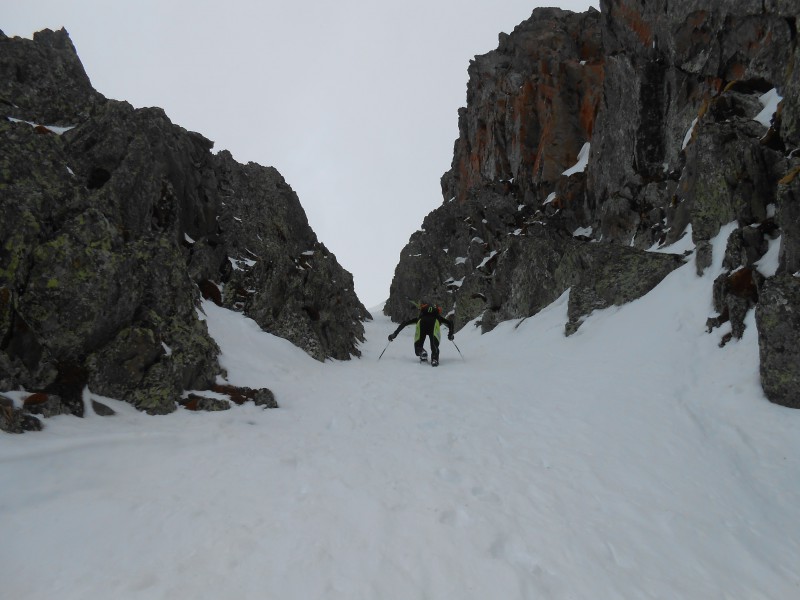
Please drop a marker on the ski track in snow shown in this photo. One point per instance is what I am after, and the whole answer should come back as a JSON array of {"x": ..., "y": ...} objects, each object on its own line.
[{"x": 634, "y": 459}]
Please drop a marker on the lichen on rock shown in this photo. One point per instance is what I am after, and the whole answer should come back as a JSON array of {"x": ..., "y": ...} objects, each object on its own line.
[
  {"x": 667, "y": 96},
  {"x": 113, "y": 229}
]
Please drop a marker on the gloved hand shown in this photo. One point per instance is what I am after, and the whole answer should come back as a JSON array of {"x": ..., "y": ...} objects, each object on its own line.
[
  {"x": 450, "y": 335},
  {"x": 391, "y": 337}
]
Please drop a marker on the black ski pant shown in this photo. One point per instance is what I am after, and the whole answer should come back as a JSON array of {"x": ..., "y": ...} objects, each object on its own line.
[{"x": 418, "y": 344}]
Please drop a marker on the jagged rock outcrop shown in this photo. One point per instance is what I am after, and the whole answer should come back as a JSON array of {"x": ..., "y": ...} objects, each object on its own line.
[
  {"x": 280, "y": 275},
  {"x": 115, "y": 221},
  {"x": 665, "y": 103},
  {"x": 531, "y": 105},
  {"x": 510, "y": 211},
  {"x": 43, "y": 78}
]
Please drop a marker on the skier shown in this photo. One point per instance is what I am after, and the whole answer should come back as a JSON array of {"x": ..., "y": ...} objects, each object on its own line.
[{"x": 430, "y": 316}]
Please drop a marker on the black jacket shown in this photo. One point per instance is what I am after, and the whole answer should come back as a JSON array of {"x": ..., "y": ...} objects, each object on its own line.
[{"x": 427, "y": 324}]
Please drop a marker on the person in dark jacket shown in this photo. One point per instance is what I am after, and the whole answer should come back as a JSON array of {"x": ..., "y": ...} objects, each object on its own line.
[{"x": 428, "y": 321}]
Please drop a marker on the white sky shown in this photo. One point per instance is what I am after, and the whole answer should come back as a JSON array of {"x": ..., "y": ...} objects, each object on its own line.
[{"x": 354, "y": 102}]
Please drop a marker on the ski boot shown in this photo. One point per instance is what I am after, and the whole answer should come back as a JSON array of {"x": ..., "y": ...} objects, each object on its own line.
[
  {"x": 434, "y": 362},
  {"x": 423, "y": 356}
]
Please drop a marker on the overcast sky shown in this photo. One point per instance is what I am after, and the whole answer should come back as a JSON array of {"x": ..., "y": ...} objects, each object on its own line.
[{"x": 355, "y": 102}]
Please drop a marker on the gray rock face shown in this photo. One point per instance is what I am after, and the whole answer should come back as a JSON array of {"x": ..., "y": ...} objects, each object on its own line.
[
  {"x": 681, "y": 89},
  {"x": 730, "y": 175},
  {"x": 531, "y": 104},
  {"x": 667, "y": 96},
  {"x": 509, "y": 215},
  {"x": 32, "y": 70},
  {"x": 280, "y": 275},
  {"x": 788, "y": 218},
  {"x": 778, "y": 318},
  {"x": 112, "y": 230},
  {"x": 511, "y": 266}
]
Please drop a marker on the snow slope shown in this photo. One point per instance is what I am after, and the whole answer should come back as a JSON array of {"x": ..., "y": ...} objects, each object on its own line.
[{"x": 634, "y": 459}]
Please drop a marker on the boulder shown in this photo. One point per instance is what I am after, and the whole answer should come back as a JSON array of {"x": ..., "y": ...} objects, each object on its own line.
[
  {"x": 15, "y": 420},
  {"x": 730, "y": 176},
  {"x": 611, "y": 275},
  {"x": 239, "y": 395},
  {"x": 235, "y": 395},
  {"x": 46, "y": 405},
  {"x": 201, "y": 403},
  {"x": 778, "y": 321}
]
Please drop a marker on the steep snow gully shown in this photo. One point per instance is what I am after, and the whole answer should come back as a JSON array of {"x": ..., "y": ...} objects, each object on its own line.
[{"x": 634, "y": 459}]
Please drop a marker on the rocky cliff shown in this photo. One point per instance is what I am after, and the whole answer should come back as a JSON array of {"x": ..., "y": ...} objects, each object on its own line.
[
  {"x": 114, "y": 223},
  {"x": 590, "y": 140}
]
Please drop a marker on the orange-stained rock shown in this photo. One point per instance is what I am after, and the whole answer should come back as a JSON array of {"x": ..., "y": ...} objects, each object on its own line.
[{"x": 532, "y": 104}]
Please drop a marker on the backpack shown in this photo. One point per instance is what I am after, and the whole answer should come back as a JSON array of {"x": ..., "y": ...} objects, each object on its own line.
[{"x": 432, "y": 308}]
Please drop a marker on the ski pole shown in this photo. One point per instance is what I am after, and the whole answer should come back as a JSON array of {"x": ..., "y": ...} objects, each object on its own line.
[
  {"x": 459, "y": 351},
  {"x": 384, "y": 350}
]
